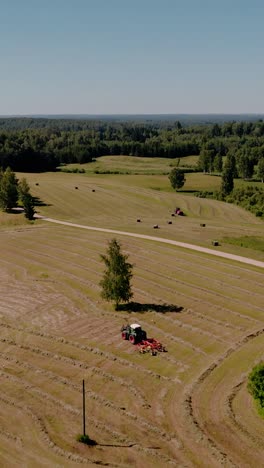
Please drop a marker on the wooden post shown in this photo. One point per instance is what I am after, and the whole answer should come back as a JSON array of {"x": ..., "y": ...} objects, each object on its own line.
[{"x": 83, "y": 409}]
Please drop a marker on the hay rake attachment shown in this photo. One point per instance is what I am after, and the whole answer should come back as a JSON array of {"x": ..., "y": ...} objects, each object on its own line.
[{"x": 151, "y": 346}]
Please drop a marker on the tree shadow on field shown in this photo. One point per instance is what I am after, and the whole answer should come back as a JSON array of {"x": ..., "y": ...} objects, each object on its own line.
[
  {"x": 188, "y": 191},
  {"x": 160, "y": 308},
  {"x": 38, "y": 202}
]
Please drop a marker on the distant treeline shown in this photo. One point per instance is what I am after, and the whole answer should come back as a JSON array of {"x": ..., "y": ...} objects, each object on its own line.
[{"x": 39, "y": 144}]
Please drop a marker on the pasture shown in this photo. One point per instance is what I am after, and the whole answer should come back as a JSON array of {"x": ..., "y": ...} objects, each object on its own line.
[
  {"x": 132, "y": 164},
  {"x": 188, "y": 407}
]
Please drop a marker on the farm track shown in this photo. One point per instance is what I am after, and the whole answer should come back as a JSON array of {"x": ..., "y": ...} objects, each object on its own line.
[{"x": 184, "y": 245}]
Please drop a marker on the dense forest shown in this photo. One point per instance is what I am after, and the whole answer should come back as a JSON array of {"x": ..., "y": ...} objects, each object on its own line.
[{"x": 40, "y": 144}]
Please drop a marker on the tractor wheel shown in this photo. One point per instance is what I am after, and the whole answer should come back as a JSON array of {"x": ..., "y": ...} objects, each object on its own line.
[
  {"x": 124, "y": 336},
  {"x": 132, "y": 339}
]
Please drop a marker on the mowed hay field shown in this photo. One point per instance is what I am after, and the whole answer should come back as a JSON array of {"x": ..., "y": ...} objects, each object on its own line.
[{"x": 187, "y": 407}]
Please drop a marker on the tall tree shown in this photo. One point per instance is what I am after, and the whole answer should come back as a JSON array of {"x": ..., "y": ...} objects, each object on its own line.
[
  {"x": 8, "y": 190},
  {"x": 260, "y": 169},
  {"x": 23, "y": 189},
  {"x": 29, "y": 207},
  {"x": 227, "y": 178},
  {"x": 177, "y": 178},
  {"x": 245, "y": 165},
  {"x": 26, "y": 199},
  {"x": 115, "y": 284},
  {"x": 218, "y": 163}
]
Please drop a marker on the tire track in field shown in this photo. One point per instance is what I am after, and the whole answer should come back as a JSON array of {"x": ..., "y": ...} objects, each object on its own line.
[
  {"x": 176, "y": 339},
  {"x": 103, "y": 401},
  {"x": 221, "y": 283},
  {"x": 90, "y": 349},
  {"x": 96, "y": 397},
  {"x": 123, "y": 383},
  {"x": 205, "y": 302},
  {"x": 220, "y": 323},
  {"x": 64, "y": 381},
  {"x": 67, "y": 407},
  {"x": 191, "y": 286},
  {"x": 11, "y": 437},
  {"x": 229, "y": 403},
  {"x": 182, "y": 325},
  {"x": 207, "y": 318},
  {"x": 193, "y": 328},
  {"x": 31, "y": 255},
  {"x": 199, "y": 288},
  {"x": 186, "y": 265},
  {"x": 218, "y": 452}
]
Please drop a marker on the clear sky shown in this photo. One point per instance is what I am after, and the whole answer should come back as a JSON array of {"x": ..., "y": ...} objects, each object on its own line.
[{"x": 131, "y": 56}]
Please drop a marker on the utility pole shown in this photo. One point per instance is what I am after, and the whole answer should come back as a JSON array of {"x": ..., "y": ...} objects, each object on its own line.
[{"x": 84, "y": 409}]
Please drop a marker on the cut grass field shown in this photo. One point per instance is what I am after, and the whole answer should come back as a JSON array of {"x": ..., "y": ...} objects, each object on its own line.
[
  {"x": 132, "y": 164},
  {"x": 187, "y": 407}
]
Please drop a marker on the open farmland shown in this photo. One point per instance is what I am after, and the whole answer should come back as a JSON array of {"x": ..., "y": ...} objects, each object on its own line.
[
  {"x": 132, "y": 164},
  {"x": 187, "y": 407}
]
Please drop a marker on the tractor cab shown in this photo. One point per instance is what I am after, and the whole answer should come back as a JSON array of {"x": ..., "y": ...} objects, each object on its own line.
[{"x": 133, "y": 333}]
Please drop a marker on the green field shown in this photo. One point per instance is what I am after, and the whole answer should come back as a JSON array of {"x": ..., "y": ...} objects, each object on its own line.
[
  {"x": 134, "y": 165},
  {"x": 119, "y": 200},
  {"x": 188, "y": 407}
]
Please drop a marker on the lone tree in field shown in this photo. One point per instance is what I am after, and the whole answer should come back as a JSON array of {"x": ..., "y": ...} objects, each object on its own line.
[
  {"x": 177, "y": 178},
  {"x": 117, "y": 275}
]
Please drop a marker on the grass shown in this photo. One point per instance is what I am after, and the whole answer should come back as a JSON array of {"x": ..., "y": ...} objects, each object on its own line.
[
  {"x": 117, "y": 201},
  {"x": 133, "y": 165},
  {"x": 255, "y": 243},
  {"x": 56, "y": 330}
]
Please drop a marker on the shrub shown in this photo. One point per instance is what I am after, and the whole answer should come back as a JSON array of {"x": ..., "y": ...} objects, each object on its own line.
[
  {"x": 85, "y": 439},
  {"x": 256, "y": 383}
]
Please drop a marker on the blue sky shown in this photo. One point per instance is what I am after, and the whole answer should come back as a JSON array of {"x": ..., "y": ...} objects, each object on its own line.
[{"x": 131, "y": 56}]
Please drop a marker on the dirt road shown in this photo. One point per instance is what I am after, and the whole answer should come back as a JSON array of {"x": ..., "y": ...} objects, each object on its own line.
[{"x": 197, "y": 248}]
